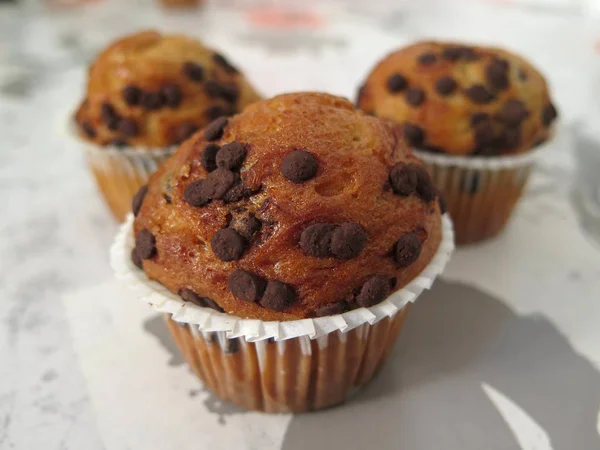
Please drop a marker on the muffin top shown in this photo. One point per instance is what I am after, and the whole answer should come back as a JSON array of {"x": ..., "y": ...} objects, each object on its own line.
[
  {"x": 154, "y": 90},
  {"x": 461, "y": 100},
  {"x": 300, "y": 206}
]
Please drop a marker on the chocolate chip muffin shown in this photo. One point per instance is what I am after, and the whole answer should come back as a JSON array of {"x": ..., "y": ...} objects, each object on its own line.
[
  {"x": 457, "y": 99},
  {"x": 154, "y": 90},
  {"x": 299, "y": 207}
]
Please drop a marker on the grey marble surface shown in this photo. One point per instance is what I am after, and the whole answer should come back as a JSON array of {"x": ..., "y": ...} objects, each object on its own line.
[{"x": 55, "y": 230}]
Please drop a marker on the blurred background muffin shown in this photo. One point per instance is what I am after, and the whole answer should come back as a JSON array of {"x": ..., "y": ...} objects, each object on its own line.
[
  {"x": 146, "y": 93},
  {"x": 473, "y": 114}
]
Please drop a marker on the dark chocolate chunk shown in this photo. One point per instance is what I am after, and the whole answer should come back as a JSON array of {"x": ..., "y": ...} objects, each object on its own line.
[
  {"x": 237, "y": 192},
  {"x": 135, "y": 259},
  {"x": 195, "y": 194},
  {"x": 403, "y": 179},
  {"x": 315, "y": 240},
  {"x": 215, "y": 129},
  {"x": 152, "y": 101},
  {"x": 190, "y": 296},
  {"x": 471, "y": 183},
  {"x": 245, "y": 285},
  {"x": 413, "y": 134},
  {"x": 228, "y": 245},
  {"x": 510, "y": 138},
  {"x": 479, "y": 117},
  {"x": 513, "y": 112},
  {"x": 348, "y": 240},
  {"x": 231, "y": 156},
  {"x": 88, "y": 129},
  {"x": 469, "y": 54},
  {"x": 138, "y": 199},
  {"x": 172, "y": 94},
  {"x": 484, "y": 133},
  {"x": 278, "y": 296},
  {"x": 407, "y": 249},
  {"x": 218, "y": 182},
  {"x": 445, "y": 86},
  {"x": 214, "y": 112},
  {"x": 397, "y": 83},
  {"x": 374, "y": 291},
  {"x": 132, "y": 95},
  {"x": 496, "y": 73},
  {"x": 549, "y": 114},
  {"x": 185, "y": 131},
  {"x": 128, "y": 128},
  {"x": 193, "y": 71},
  {"x": 212, "y": 89},
  {"x": 247, "y": 225},
  {"x": 145, "y": 243},
  {"x": 414, "y": 96},
  {"x": 425, "y": 188},
  {"x": 230, "y": 92},
  {"x": 331, "y": 309},
  {"x": 299, "y": 166},
  {"x": 479, "y": 94},
  {"x": 427, "y": 59},
  {"x": 221, "y": 61},
  {"x": 208, "y": 158},
  {"x": 109, "y": 116},
  {"x": 452, "y": 53}
]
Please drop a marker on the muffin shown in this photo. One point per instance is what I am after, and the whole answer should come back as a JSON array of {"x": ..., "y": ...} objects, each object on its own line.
[
  {"x": 146, "y": 93},
  {"x": 474, "y": 115},
  {"x": 299, "y": 218}
]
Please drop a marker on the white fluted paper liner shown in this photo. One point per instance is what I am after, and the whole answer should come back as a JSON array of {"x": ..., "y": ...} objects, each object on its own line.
[{"x": 207, "y": 319}]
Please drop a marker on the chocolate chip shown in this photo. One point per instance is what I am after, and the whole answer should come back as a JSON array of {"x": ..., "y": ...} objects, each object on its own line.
[
  {"x": 479, "y": 117},
  {"x": 549, "y": 114},
  {"x": 230, "y": 92},
  {"x": 414, "y": 96},
  {"x": 445, "y": 86},
  {"x": 452, "y": 53},
  {"x": 479, "y": 94},
  {"x": 245, "y": 285},
  {"x": 403, "y": 179},
  {"x": 331, "y": 309},
  {"x": 138, "y": 199},
  {"x": 278, "y": 296},
  {"x": 228, "y": 245},
  {"x": 375, "y": 290},
  {"x": 471, "y": 183},
  {"x": 407, "y": 249},
  {"x": 315, "y": 240},
  {"x": 117, "y": 142},
  {"x": 523, "y": 76},
  {"x": 513, "y": 112},
  {"x": 231, "y": 156},
  {"x": 128, "y": 127},
  {"x": 195, "y": 194},
  {"x": 469, "y": 54},
  {"x": 396, "y": 83},
  {"x": 212, "y": 89},
  {"x": 214, "y": 112},
  {"x": 215, "y": 129},
  {"x": 510, "y": 138},
  {"x": 190, "y": 296},
  {"x": 109, "y": 116},
  {"x": 135, "y": 259},
  {"x": 484, "y": 133},
  {"x": 496, "y": 73},
  {"x": 218, "y": 182},
  {"x": 185, "y": 131},
  {"x": 172, "y": 94},
  {"x": 237, "y": 192},
  {"x": 247, "y": 225},
  {"x": 226, "y": 65},
  {"x": 348, "y": 240},
  {"x": 425, "y": 188},
  {"x": 152, "y": 101},
  {"x": 413, "y": 134},
  {"x": 208, "y": 158},
  {"x": 427, "y": 59},
  {"x": 132, "y": 94},
  {"x": 299, "y": 166},
  {"x": 88, "y": 129},
  {"x": 193, "y": 71},
  {"x": 145, "y": 243}
]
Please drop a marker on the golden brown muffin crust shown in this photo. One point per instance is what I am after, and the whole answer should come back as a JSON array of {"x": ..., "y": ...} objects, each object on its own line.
[
  {"x": 155, "y": 90},
  {"x": 355, "y": 209},
  {"x": 459, "y": 99}
]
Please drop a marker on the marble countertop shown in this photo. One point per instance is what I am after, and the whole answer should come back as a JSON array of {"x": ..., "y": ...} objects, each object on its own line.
[{"x": 56, "y": 231}]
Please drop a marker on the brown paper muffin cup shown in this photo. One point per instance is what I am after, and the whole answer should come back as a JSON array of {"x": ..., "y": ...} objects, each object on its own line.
[
  {"x": 291, "y": 366},
  {"x": 480, "y": 192}
]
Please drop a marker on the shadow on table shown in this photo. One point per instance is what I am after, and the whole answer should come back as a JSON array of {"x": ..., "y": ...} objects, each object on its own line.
[{"x": 430, "y": 394}]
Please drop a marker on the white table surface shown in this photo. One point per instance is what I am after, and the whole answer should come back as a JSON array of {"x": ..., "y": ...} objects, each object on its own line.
[{"x": 510, "y": 359}]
